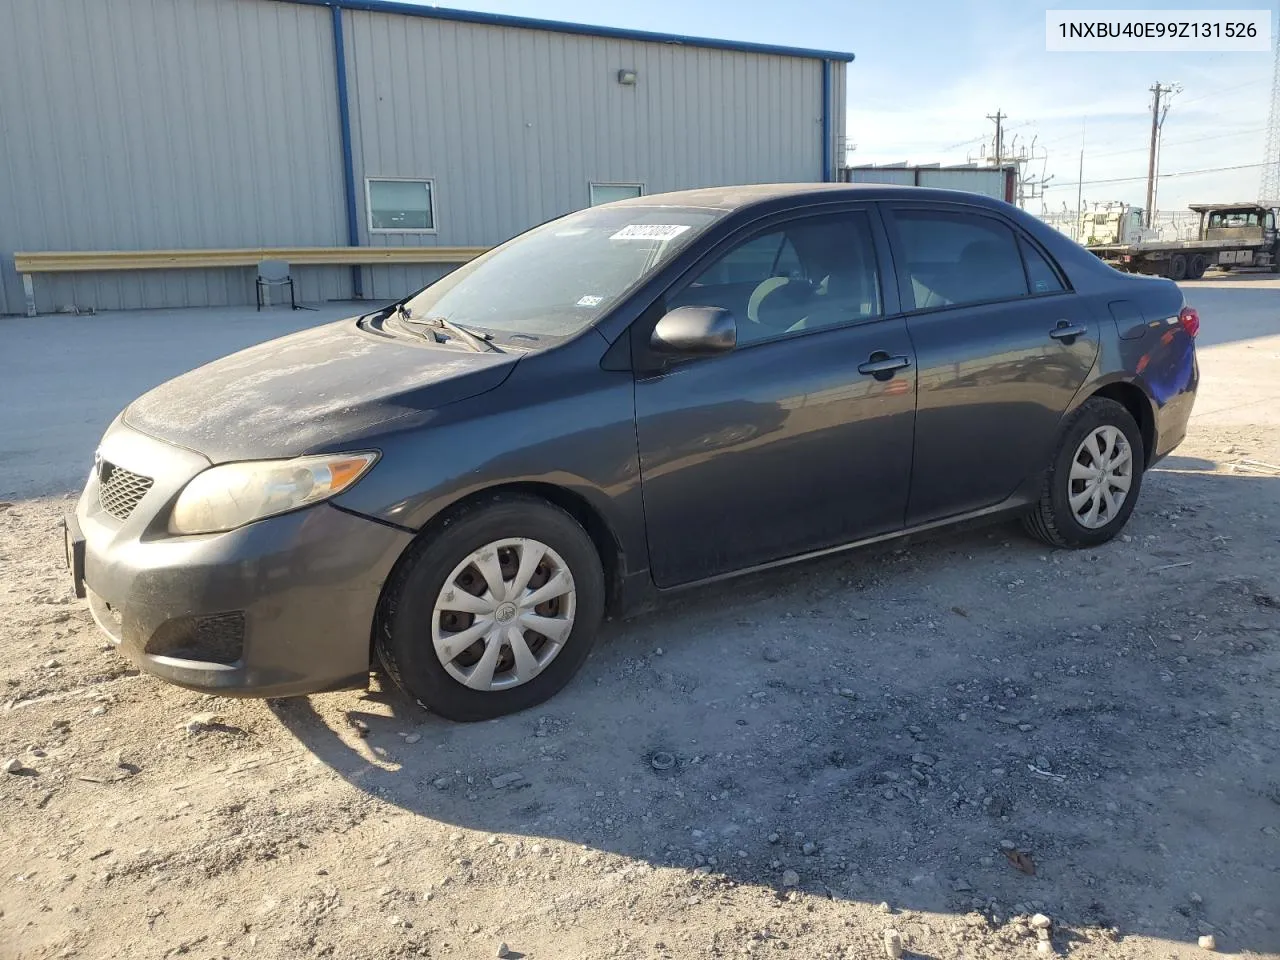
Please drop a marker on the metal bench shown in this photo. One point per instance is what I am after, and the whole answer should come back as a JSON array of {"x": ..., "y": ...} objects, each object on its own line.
[{"x": 93, "y": 261}]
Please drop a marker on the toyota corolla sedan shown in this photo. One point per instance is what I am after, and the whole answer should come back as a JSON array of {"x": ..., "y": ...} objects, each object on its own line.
[{"x": 629, "y": 400}]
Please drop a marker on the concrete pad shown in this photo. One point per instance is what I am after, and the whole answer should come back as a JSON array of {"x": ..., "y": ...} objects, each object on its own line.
[{"x": 64, "y": 378}]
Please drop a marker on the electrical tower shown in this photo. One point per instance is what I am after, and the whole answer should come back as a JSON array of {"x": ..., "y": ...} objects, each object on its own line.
[
  {"x": 1269, "y": 188},
  {"x": 1008, "y": 154}
]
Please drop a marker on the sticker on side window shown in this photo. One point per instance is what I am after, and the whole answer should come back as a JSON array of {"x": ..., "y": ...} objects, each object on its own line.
[
  {"x": 650, "y": 231},
  {"x": 590, "y": 301}
]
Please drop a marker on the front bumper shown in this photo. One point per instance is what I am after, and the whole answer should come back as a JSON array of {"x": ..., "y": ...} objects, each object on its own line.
[{"x": 280, "y": 607}]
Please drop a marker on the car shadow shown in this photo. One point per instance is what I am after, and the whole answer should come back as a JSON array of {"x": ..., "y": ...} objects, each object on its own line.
[
  {"x": 971, "y": 722},
  {"x": 1176, "y": 462}
]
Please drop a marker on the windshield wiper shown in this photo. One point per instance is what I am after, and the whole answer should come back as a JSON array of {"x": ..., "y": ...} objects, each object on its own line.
[{"x": 479, "y": 342}]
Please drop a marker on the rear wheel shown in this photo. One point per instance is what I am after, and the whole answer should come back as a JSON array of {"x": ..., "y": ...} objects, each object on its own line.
[
  {"x": 1199, "y": 264},
  {"x": 495, "y": 611},
  {"x": 1178, "y": 267},
  {"x": 1093, "y": 483}
]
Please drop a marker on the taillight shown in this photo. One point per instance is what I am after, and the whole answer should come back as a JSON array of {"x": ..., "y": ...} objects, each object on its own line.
[{"x": 1190, "y": 320}]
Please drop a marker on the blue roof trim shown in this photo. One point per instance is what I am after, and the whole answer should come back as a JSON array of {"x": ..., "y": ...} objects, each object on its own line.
[{"x": 581, "y": 29}]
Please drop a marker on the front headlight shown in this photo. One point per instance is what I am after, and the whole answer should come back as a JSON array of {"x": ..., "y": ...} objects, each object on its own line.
[{"x": 233, "y": 494}]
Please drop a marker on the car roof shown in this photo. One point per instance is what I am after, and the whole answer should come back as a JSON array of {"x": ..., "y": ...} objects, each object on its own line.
[{"x": 748, "y": 195}]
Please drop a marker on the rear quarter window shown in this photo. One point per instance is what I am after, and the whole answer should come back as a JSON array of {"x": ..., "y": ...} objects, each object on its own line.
[{"x": 1040, "y": 275}]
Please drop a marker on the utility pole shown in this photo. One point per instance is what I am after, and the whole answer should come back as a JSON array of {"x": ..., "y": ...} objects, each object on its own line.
[
  {"x": 999, "y": 119},
  {"x": 1080, "y": 188},
  {"x": 1158, "y": 90}
]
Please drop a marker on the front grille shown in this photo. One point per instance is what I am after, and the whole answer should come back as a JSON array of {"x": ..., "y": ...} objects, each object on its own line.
[
  {"x": 120, "y": 490},
  {"x": 218, "y": 638}
]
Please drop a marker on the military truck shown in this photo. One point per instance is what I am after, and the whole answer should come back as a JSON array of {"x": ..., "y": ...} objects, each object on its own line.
[{"x": 1230, "y": 235}]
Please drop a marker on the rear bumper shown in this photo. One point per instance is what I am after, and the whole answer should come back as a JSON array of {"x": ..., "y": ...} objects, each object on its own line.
[
  {"x": 279, "y": 607},
  {"x": 1178, "y": 393}
]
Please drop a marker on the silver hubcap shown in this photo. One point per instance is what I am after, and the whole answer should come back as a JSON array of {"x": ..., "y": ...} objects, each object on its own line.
[
  {"x": 503, "y": 614},
  {"x": 1101, "y": 473}
]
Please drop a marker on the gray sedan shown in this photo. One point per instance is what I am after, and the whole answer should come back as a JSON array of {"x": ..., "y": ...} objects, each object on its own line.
[{"x": 626, "y": 401}]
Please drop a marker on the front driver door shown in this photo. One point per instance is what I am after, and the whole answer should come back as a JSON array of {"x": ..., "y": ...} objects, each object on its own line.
[{"x": 784, "y": 445}]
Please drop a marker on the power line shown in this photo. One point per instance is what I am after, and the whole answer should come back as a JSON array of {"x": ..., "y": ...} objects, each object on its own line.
[
  {"x": 965, "y": 143},
  {"x": 1175, "y": 143},
  {"x": 1229, "y": 89},
  {"x": 1163, "y": 176}
]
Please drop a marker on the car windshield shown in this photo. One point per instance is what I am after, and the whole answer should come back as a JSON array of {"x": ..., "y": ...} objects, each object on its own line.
[{"x": 559, "y": 278}]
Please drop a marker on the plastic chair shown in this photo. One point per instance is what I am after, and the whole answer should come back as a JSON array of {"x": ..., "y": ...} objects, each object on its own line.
[{"x": 275, "y": 273}]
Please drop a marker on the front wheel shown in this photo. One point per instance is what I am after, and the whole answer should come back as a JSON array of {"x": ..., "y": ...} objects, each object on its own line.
[
  {"x": 1092, "y": 485},
  {"x": 494, "y": 611}
]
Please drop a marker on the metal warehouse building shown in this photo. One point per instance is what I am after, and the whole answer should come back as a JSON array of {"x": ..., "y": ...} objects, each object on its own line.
[{"x": 222, "y": 131}]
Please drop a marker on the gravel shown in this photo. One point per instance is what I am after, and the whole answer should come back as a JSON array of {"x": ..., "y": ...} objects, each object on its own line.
[
  {"x": 892, "y": 944},
  {"x": 292, "y": 821}
]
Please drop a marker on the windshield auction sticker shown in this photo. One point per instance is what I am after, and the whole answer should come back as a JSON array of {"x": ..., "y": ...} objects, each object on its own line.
[
  {"x": 1158, "y": 31},
  {"x": 649, "y": 231}
]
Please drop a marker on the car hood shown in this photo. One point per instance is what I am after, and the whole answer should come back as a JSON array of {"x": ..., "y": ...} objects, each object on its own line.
[{"x": 310, "y": 391}]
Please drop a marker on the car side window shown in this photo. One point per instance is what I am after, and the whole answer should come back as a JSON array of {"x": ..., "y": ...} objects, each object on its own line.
[
  {"x": 770, "y": 255},
  {"x": 952, "y": 258},
  {"x": 805, "y": 275},
  {"x": 1042, "y": 277}
]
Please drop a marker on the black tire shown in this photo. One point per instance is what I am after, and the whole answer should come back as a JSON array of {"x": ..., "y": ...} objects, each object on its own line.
[
  {"x": 402, "y": 637},
  {"x": 1052, "y": 519},
  {"x": 1178, "y": 267},
  {"x": 1199, "y": 264}
]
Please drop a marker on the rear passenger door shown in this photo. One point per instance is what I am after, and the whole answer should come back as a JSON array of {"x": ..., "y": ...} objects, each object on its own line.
[{"x": 1002, "y": 345}]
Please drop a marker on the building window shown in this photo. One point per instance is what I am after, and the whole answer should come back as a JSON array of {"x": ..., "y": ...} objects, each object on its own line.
[
  {"x": 609, "y": 192},
  {"x": 400, "y": 206}
]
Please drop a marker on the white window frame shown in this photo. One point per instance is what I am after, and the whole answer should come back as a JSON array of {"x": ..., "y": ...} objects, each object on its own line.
[
  {"x": 368, "y": 204},
  {"x": 591, "y": 188}
]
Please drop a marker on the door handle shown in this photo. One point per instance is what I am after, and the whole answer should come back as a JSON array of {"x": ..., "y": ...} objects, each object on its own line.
[
  {"x": 1067, "y": 331},
  {"x": 882, "y": 366}
]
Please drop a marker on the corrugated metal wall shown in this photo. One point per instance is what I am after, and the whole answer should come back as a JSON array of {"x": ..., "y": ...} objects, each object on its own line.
[
  {"x": 898, "y": 175},
  {"x": 157, "y": 124},
  {"x": 514, "y": 125},
  {"x": 839, "y": 108},
  {"x": 988, "y": 182}
]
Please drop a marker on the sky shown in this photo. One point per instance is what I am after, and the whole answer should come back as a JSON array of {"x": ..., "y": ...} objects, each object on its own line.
[{"x": 927, "y": 73}]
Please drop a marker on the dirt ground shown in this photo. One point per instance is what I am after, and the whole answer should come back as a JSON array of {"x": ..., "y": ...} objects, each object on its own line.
[{"x": 942, "y": 738}]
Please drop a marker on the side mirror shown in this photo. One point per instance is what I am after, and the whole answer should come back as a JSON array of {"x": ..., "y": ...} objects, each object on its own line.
[{"x": 695, "y": 332}]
